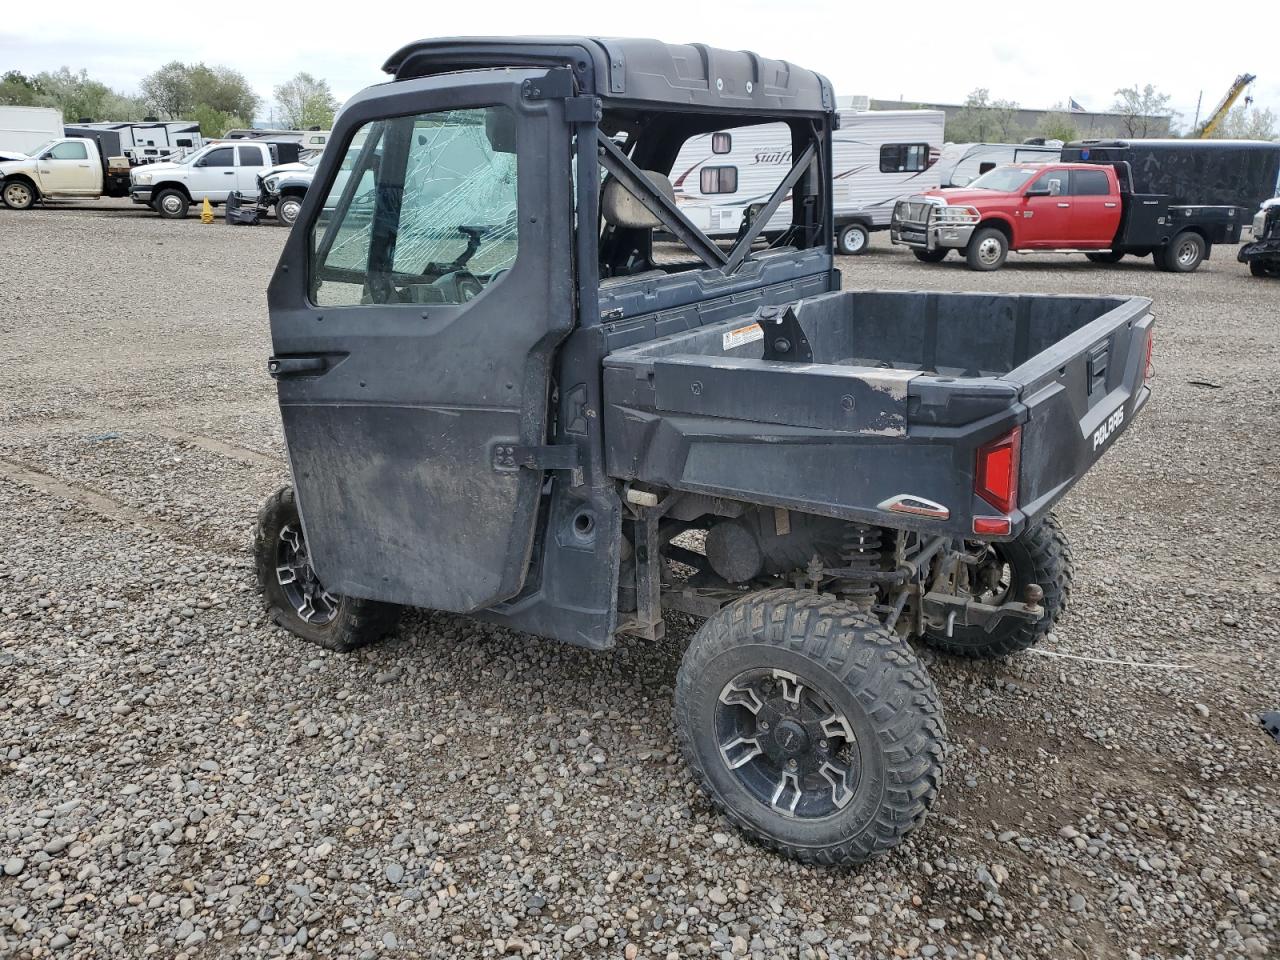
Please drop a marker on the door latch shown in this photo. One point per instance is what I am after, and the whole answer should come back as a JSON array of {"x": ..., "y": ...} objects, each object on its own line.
[{"x": 296, "y": 366}]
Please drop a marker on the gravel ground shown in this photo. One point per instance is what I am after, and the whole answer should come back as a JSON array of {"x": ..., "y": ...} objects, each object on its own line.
[{"x": 178, "y": 778}]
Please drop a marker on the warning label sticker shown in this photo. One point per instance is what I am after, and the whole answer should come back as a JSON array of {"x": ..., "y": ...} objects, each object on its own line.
[{"x": 747, "y": 334}]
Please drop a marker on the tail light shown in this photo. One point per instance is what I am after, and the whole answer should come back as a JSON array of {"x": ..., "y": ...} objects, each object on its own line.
[
  {"x": 1151, "y": 346},
  {"x": 996, "y": 477}
]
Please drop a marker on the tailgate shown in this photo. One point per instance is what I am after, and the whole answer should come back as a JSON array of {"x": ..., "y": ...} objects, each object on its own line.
[{"x": 1081, "y": 394}]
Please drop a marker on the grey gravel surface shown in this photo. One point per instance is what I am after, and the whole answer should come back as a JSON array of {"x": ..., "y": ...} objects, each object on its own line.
[{"x": 178, "y": 778}]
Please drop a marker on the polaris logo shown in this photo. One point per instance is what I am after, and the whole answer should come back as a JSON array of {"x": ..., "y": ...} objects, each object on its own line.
[{"x": 1108, "y": 428}]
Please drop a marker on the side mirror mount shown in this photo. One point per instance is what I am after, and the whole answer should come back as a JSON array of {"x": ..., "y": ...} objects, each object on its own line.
[{"x": 1038, "y": 192}]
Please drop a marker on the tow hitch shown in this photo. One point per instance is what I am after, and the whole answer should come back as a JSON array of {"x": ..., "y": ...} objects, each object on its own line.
[{"x": 948, "y": 611}]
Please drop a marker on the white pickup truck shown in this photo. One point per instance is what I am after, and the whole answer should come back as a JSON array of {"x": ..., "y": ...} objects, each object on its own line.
[
  {"x": 65, "y": 168},
  {"x": 211, "y": 173}
]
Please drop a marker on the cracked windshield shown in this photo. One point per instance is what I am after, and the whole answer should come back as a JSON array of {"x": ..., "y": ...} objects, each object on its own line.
[{"x": 447, "y": 226}]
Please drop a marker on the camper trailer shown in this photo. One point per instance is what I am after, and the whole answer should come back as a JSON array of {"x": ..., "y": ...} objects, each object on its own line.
[
  {"x": 148, "y": 141},
  {"x": 962, "y": 163},
  {"x": 878, "y": 156}
]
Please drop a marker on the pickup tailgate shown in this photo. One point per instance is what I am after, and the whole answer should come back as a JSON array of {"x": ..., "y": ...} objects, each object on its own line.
[{"x": 1081, "y": 393}]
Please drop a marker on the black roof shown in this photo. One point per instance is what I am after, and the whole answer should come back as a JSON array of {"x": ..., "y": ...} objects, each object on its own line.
[
  {"x": 1172, "y": 143},
  {"x": 634, "y": 70}
]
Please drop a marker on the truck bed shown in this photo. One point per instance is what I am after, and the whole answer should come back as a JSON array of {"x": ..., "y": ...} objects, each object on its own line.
[{"x": 902, "y": 390}]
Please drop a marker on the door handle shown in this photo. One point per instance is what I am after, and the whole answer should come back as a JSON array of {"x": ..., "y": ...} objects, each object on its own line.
[
  {"x": 1064, "y": 204},
  {"x": 296, "y": 366},
  {"x": 228, "y": 173},
  {"x": 1108, "y": 204}
]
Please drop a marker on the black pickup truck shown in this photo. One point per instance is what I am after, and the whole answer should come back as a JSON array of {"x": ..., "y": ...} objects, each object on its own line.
[{"x": 502, "y": 396}]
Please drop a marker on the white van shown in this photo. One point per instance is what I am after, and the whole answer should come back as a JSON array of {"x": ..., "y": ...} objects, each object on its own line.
[{"x": 877, "y": 157}]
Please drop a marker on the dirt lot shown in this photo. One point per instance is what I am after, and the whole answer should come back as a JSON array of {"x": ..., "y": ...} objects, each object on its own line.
[{"x": 178, "y": 778}]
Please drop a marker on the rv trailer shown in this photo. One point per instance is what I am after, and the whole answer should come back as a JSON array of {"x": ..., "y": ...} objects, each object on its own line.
[
  {"x": 962, "y": 163},
  {"x": 878, "y": 156}
]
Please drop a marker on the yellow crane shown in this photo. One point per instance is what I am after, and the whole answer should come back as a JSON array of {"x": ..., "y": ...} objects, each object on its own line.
[{"x": 1205, "y": 130}]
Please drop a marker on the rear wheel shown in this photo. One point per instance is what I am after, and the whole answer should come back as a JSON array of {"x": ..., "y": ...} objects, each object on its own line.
[
  {"x": 171, "y": 204},
  {"x": 1038, "y": 555},
  {"x": 853, "y": 239},
  {"x": 988, "y": 248},
  {"x": 295, "y": 598},
  {"x": 931, "y": 256},
  {"x": 814, "y": 729},
  {"x": 18, "y": 195},
  {"x": 287, "y": 209},
  {"x": 1111, "y": 256},
  {"x": 1185, "y": 253}
]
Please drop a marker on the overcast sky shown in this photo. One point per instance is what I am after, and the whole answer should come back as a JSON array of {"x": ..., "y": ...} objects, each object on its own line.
[{"x": 930, "y": 51}]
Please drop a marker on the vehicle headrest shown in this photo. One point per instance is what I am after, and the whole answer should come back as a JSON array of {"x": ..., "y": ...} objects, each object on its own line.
[{"x": 620, "y": 208}]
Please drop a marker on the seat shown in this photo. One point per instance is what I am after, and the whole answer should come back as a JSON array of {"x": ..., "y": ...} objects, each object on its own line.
[{"x": 620, "y": 207}]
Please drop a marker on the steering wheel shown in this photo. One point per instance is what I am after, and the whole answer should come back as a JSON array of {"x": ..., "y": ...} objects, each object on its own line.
[{"x": 460, "y": 286}]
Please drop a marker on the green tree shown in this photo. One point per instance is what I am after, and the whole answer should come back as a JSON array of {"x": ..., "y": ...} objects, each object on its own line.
[
  {"x": 305, "y": 102},
  {"x": 168, "y": 91},
  {"x": 982, "y": 119},
  {"x": 1144, "y": 112},
  {"x": 1058, "y": 124},
  {"x": 77, "y": 96},
  {"x": 215, "y": 123},
  {"x": 19, "y": 90},
  {"x": 224, "y": 90},
  {"x": 1246, "y": 122}
]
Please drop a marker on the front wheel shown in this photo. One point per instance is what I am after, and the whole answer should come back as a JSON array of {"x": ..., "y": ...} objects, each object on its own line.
[
  {"x": 987, "y": 249},
  {"x": 815, "y": 730},
  {"x": 853, "y": 239},
  {"x": 172, "y": 204},
  {"x": 1041, "y": 555},
  {"x": 932, "y": 256},
  {"x": 1185, "y": 253},
  {"x": 295, "y": 598},
  {"x": 287, "y": 209},
  {"x": 18, "y": 195}
]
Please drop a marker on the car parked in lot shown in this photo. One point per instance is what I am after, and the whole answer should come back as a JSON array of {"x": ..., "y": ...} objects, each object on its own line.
[
  {"x": 66, "y": 168},
  {"x": 211, "y": 173},
  {"x": 1263, "y": 253}
]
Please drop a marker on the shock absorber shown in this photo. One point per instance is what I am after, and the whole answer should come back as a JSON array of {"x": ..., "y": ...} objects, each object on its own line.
[{"x": 861, "y": 548}]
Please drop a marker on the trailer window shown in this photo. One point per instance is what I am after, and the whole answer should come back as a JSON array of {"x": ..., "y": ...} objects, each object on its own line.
[
  {"x": 431, "y": 216},
  {"x": 69, "y": 151},
  {"x": 721, "y": 142},
  {"x": 1090, "y": 183},
  {"x": 718, "y": 180},
  {"x": 904, "y": 157}
]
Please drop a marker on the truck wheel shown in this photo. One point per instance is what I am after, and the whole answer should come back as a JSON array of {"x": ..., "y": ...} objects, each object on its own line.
[
  {"x": 18, "y": 195},
  {"x": 287, "y": 210},
  {"x": 815, "y": 730},
  {"x": 1185, "y": 253},
  {"x": 987, "y": 249},
  {"x": 1110, "y": 256},
  {"x": 293, "y": 595},
  {"x": 932, "y": 256},
  {"x": 853, "y": 239},
  {"x": 1040, "y": 555},
  {"x": 171, "y": 204}
]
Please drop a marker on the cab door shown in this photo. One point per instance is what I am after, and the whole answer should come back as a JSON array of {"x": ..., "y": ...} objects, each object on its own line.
[
  {"x": 214, "y": 175},
  {"x": 1046, "y": 212},
  {"x": 249, "y": 163},
  {"x": 415, "y": 315},
  {"x": 1095, "y": 209},
  {"x": 66, "y": 169}
]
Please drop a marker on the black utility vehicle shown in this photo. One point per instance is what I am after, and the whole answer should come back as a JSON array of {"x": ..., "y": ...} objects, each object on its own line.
[
  {"x": 502, "y": 398},
  {"x": 1263, "y": 253}
]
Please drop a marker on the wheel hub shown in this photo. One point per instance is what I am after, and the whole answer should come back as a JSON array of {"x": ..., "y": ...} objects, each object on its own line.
[
  {"x": 786, "y": 744},
  {"x": 296, "y": 576}
]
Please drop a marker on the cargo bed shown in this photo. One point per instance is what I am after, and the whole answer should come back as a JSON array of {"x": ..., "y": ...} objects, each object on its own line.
[{"x": 902, "y": 391}]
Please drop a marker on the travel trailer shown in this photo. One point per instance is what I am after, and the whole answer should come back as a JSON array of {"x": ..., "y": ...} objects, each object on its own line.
[
  {"x": 962, "y": 163},
  {"x": 878, "y": 156}
]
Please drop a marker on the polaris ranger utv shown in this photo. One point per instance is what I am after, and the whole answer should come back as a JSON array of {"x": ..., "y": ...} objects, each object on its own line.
[{"x": 502, "y": 396}]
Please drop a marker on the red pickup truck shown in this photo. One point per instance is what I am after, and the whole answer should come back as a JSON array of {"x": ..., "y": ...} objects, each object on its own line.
[{"x": 1088, "y": 208}]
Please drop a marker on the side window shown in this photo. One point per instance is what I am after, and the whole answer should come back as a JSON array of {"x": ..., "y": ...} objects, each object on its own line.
[
  {"x": 1055, "y": 181},
  {"x": 250, "y": 156},
  {"x": 445, "y": 222},
  {"x": 721, "y": 142},
  {"x": 221, "y": 157},
  {"x": 1090, "y": 183},
  {"x": 69, "y": 151},
  {"x": 904, "y": 157},
  {"x": 718, "y": 180}
]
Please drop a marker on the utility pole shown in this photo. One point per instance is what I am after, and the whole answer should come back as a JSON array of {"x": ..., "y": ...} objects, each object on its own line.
[{"x": 1196, "y": 125}]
